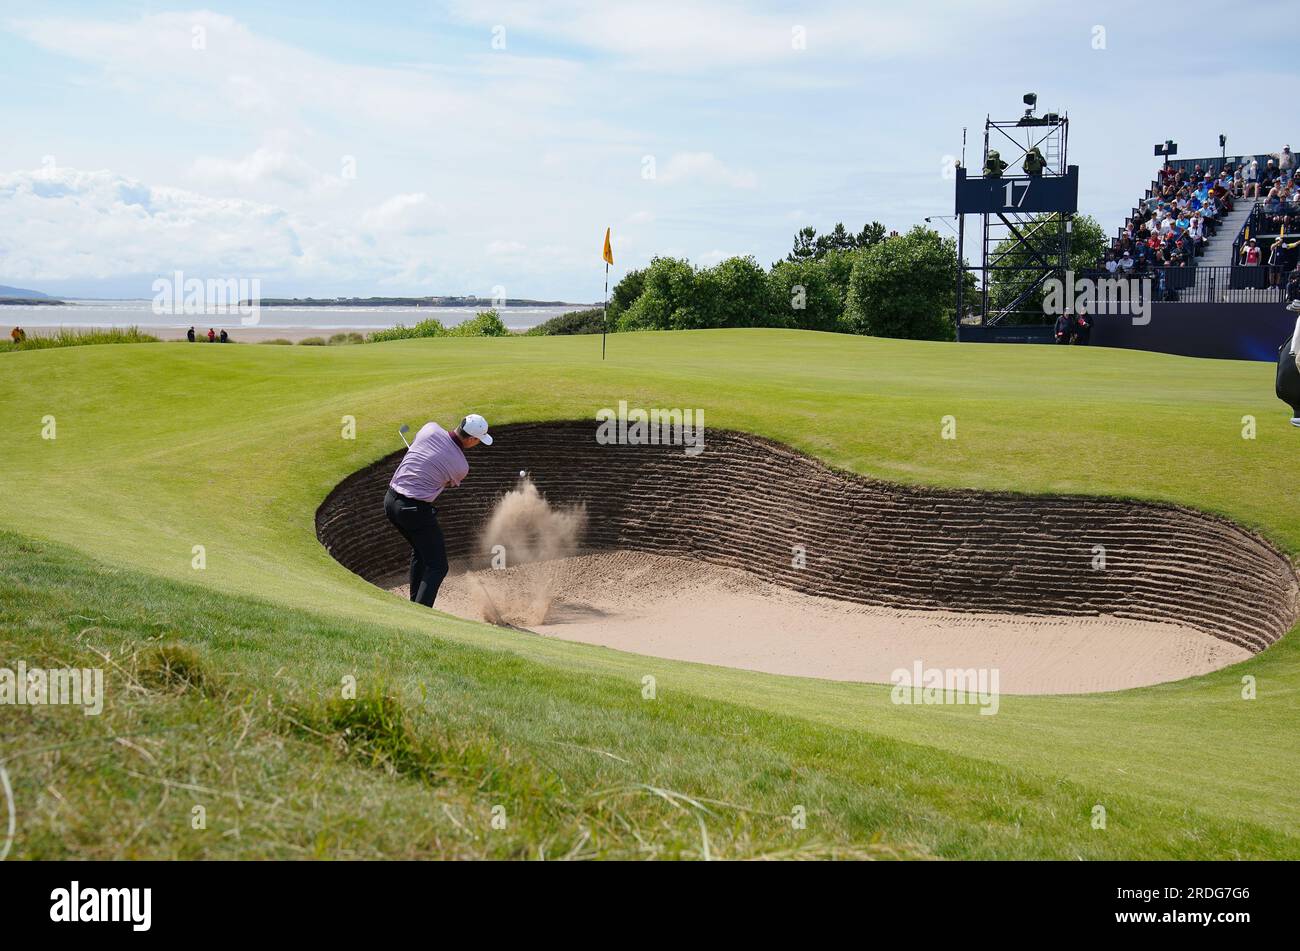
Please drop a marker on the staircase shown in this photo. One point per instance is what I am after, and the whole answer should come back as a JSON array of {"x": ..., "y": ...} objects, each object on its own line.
[{"x": 1218, "y": 249}]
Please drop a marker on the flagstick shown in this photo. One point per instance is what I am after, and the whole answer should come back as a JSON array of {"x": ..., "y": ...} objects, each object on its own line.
[{"x": 604, "y": 313}]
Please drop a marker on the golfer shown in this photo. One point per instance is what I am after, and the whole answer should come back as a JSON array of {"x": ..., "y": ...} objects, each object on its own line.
[{"x": 435, "y": 461}]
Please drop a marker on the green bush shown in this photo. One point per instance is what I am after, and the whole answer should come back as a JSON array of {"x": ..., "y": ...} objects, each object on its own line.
[
  {"x": 574, "y": 322},
  {"x": 344, "y": 339},
  {"x": 669, "y": 301},
  {"x": 625, "y": 293},
  {"x": 312, "y": 342},
  {"x": 486, "y": 323},
  {"x": 905, "y": 287},
  {"x": 734, "y": 293},
  {"x": 278, "y": 342},
  {"x": 432, "y": 327},
  {"x": 805, "y": 292}
]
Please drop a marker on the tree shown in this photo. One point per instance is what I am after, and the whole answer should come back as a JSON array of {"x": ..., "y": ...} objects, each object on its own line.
[
  {"x": 668, "y": 300},
  {"x": 804, "y": 293},
  {"x": 905, "y": 287},
  {"x": 808, "y": 245},
  {"x": 734, "y": 293},
  {"x": 838, "y": 240},
  {"x": 838, "y": 266},
  {"x": 805, "y": 245},
  {"x": 625, "y": 293},
  {"x": 1088, "y": 244},
  {"x": 870, "y": 235}
]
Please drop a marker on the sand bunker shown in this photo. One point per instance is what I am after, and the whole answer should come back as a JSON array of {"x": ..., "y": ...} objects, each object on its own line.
[
  {"x": 680, "y": 609},
  {"x": 754, "y": 555}
]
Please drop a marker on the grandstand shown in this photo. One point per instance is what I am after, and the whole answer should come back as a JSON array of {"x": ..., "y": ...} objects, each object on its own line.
[{"x": 1215, "y": 271}]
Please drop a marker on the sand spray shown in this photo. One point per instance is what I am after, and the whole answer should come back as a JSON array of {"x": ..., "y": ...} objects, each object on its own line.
[{"x": 524, "y": 528}]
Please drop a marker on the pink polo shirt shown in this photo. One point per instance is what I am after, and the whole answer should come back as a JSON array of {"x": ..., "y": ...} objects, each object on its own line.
[{"x": 434, "y": 462}]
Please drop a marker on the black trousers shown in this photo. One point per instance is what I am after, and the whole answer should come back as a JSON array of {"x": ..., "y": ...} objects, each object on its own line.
[
  {"x": 1288, "y": 378},
  {"x": 418, "y": 523}
]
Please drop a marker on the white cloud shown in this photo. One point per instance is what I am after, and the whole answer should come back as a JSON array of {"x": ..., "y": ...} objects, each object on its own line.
[
  {"x": 705, "y": 168},
  {"x": 505, "y": 248},
  {"x": 262, "y": 167},
  {"x": 71, "y": 224},
  {"x": 412, "y": 213},
  {"x": 690, "y": 34}
]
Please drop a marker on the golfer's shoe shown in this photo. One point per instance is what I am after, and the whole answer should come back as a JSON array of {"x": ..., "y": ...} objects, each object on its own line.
[{"x": 1295, "y": 420}]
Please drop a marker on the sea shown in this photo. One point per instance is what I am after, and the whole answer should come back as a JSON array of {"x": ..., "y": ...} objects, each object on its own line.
[{"x": 140, "y": 313}]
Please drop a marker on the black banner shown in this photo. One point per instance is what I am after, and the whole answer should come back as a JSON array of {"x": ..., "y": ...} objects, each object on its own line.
[{"x": 963, "y": 900}]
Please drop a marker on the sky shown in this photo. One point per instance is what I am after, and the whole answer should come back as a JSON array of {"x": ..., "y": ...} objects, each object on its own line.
[{"x": 403, "y": 149}]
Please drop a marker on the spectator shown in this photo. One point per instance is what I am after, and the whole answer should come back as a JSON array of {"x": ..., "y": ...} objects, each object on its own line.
[
  {"x": 1293, "y": 285},
  {"x": 1126, "y": 264},
  {"x": 1250, "y": 254},
  {"x": 224, "y": 336},
  {"x": 1285, "y": 160},
  {"x": 212, "y": 335},
  {"x": 18, "y": 335},
  {"x": 1269, "y": 176},
  {"x": 1082, "y": 327},
  {"x": 1277, "y": 255},
  {"x": 189, "y": 335},
  {"x": 1064, "y": 327},
  {"x": 1251, "y": 178}
]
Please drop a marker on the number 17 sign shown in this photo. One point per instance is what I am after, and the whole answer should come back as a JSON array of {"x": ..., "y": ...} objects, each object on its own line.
[{"x": 1018, "y": 193}]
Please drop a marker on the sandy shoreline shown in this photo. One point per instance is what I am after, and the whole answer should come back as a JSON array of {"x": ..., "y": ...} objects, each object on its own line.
[{"x": 238, "y": 334}]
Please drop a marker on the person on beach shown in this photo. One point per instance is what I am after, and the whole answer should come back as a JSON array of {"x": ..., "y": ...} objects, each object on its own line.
[
  {"x": 434, "y": 461},
  {"x": 224, "y": 336},
  {"x": 18, "y": 335},
  {"x": 189, "y": 335},
  {"x": 212, "y": 335}
]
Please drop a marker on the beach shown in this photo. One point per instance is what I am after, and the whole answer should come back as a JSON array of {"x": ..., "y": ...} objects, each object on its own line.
[
  {"x": 237, "y": 333},
  {"x": 272, "y": 323}
]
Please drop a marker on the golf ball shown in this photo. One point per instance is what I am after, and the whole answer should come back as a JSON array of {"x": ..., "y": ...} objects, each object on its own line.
[{"x": 522, "y": 473}]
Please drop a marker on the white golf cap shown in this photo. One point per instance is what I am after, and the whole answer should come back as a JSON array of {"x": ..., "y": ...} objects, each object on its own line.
[{"x": 476, "y": 426}]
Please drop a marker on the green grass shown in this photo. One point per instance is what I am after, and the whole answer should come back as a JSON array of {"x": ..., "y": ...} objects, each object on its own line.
[
  {"x": 158, "y": 451},
  {"x": 77, "y": 337}
]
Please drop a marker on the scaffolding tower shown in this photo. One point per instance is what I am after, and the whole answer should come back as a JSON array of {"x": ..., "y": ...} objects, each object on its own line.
[{"x": 1025, "y": 218}]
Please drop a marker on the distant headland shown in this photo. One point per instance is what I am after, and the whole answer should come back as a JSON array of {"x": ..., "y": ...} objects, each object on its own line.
[{"x": 23, "y": 295}]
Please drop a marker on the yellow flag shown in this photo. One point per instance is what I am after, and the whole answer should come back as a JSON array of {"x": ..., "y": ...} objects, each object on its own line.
[{"x": 608, "y": 253}]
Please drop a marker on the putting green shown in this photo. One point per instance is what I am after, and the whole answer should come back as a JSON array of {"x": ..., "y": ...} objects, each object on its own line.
[{"x": 163, "y": 447}]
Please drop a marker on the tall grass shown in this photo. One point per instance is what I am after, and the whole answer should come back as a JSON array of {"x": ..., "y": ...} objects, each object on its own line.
[{"x": 78, "y": 337}]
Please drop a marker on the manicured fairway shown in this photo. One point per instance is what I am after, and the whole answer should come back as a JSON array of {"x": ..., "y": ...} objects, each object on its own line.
[{"x": 163, "y": 447}]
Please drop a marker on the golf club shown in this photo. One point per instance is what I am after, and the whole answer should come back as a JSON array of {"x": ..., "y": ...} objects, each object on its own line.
[{"x": 402, "y": 430}]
